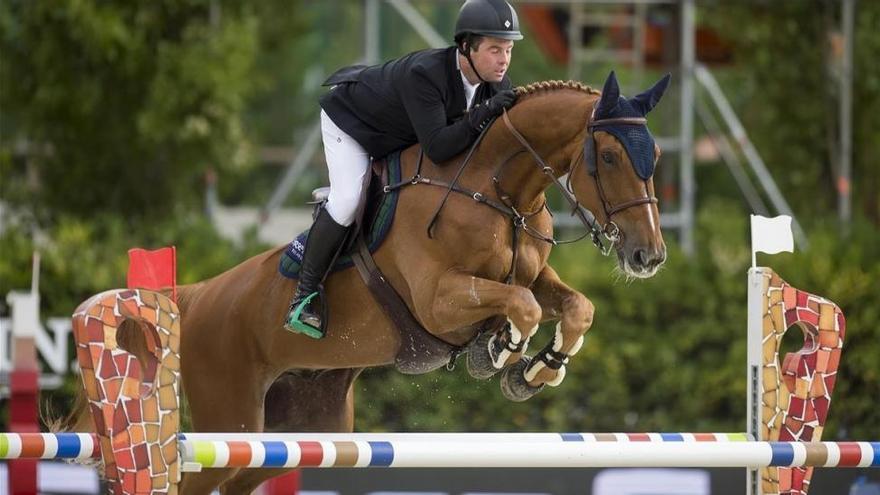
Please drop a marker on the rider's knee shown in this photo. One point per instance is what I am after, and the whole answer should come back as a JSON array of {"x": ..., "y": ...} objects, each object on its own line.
[{"x": 342, "y": 209}]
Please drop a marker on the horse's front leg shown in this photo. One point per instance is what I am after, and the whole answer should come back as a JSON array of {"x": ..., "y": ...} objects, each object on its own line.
[
  {"x": 459, "y": 300},
  {"x": 575, "y": 314}
]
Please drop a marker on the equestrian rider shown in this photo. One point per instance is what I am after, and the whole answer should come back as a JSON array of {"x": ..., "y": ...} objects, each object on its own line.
[{"x": 439, "y": 98}]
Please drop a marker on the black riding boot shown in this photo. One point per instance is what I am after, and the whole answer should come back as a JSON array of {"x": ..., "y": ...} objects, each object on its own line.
[{"x": 323, "y": 244}]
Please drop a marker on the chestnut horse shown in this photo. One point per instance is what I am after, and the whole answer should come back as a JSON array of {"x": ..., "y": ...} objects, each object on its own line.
[{"x": 242, "y": 372}]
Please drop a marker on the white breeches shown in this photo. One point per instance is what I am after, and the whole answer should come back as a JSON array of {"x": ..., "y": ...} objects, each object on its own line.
[{"x": 349, "y": 165}]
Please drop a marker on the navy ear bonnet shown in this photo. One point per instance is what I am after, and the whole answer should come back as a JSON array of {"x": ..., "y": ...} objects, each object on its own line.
[{"x": 636, "y": 139}]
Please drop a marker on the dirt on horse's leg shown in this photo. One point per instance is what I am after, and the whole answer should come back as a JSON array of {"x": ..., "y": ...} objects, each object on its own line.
[
  {"x": 462, "y": 299},
  {"x": 575, "y": 314},
  {"x": 229, "y": 400},
  {"x": 302, "y": 401}
]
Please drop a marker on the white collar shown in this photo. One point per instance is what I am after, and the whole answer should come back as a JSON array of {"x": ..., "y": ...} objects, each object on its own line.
[{"x": 469, "y": 89}]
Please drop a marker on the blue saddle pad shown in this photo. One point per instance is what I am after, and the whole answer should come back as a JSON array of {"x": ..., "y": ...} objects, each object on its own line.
[{"x": 383, "y": 217}]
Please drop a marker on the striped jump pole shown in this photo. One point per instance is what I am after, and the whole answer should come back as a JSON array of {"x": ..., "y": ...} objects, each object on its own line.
[
  {"x": 199, "y": 451},
  {"x": 422, "y": 454},
  {"x": 137, "y": 417},
  {"x": 84, "y": 446}
]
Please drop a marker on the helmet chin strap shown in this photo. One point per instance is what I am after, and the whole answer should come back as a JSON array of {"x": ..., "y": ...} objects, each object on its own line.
[{"x": 467, "y": 54}]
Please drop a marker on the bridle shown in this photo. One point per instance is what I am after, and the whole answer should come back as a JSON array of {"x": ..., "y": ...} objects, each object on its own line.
[
  {"x": 610, "y": 230},
  {"x": 604, "y": 237}
]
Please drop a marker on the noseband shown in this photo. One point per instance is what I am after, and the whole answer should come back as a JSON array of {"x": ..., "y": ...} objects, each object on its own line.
[{"x": 610, "y": 231}]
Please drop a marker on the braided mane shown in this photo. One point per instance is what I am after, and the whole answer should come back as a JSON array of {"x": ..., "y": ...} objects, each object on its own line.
[{"x": 537, "y": 87}]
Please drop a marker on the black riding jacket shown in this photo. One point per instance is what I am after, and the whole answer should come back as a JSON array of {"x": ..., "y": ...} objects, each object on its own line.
[{"x": 418, "y": 98}]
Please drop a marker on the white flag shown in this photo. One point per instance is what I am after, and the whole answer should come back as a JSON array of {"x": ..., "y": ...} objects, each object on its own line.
[{"x": 771, "y": 235}]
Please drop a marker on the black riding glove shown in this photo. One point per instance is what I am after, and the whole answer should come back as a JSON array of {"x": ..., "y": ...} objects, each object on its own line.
[{"x": 480, "y": 115}]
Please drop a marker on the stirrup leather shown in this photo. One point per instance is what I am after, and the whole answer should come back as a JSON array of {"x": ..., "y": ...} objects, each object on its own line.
[{"x": 295, "y": 325}]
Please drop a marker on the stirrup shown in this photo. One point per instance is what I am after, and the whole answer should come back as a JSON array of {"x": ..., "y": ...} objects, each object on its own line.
[{"x": 294, "y": 324}]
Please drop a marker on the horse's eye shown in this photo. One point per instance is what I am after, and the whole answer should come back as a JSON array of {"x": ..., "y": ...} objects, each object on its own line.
[{"x": 608, "y": 157}]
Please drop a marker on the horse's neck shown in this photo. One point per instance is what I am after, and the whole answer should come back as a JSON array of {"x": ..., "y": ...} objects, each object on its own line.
[{"x": 551, "y": 124}]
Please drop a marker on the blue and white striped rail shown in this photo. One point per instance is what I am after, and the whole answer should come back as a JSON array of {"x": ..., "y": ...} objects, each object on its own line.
[
  {"x": 459, "y": 450},
  {"x": 79, "y": 446}
]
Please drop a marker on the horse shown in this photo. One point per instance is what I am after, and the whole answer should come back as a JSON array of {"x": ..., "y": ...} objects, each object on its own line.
[{"x": 242, "y": 372}]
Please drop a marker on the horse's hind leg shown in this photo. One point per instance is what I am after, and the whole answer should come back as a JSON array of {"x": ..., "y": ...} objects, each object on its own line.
[
  {"x": 230, "y": 400},
  {"x": 575, "y": 314},
  {"x": 312, "y": 401},
  {"x": 302, "y": 401}
]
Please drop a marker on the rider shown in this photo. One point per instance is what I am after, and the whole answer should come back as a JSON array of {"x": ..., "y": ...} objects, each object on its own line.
[{"x": 440, "y": 98}]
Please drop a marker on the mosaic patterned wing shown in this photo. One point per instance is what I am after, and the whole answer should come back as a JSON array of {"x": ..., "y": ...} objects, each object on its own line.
[
  {"x": 134, "y": 403},
  {"x": 797, "y": 392}
]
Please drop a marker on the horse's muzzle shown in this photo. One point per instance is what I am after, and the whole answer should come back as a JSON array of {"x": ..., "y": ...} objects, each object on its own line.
[{"x": 643, "y": 261}]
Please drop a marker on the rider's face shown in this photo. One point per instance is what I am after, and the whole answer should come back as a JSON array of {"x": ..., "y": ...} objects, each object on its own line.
[{"x": 492, "y": 58}]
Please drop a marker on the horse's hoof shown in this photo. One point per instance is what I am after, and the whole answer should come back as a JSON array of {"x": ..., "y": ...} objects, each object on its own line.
[
  {"x": 513, "y": 382},
  {"x": 479, "y": 361}
]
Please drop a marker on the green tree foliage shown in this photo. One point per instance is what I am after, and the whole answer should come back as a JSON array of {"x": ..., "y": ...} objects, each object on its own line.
[
  {"x": 866, "y": 116},
  {"x": 786, "y": 93},
  {"x": 124, "y": 104}
]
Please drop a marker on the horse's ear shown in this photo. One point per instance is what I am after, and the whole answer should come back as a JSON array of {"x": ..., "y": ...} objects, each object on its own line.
[
  {"x": 610, "y": 95},
  {"x": 646, "y": 101}
]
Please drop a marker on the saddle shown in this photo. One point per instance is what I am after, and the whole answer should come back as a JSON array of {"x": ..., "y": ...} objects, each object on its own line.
[{"x": 420, "y": 351}]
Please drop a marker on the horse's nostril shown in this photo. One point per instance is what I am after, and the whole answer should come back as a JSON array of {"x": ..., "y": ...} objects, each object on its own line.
[
  {"x": 640, "y": 257},
  {"x": 648, "y": 258}
]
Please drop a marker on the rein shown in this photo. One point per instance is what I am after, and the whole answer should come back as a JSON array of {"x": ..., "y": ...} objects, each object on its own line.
[
  {"x": 610, "y": 231},
  {"x": 585, "y": 216},
  {"x": 604, "y": 237}
]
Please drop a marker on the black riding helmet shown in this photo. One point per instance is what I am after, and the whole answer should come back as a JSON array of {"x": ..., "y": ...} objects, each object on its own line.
[{"x": 493, "y": 18}]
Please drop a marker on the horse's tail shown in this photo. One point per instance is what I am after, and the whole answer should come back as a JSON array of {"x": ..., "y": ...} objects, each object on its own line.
[
  {"x": 77, "y": 420},
  {"x": 185, "y": 295}
]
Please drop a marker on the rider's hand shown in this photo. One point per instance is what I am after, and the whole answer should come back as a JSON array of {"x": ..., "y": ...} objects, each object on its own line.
[
  {"x": 492, "y": 107},
  {"x": 503, "y": 100}
]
